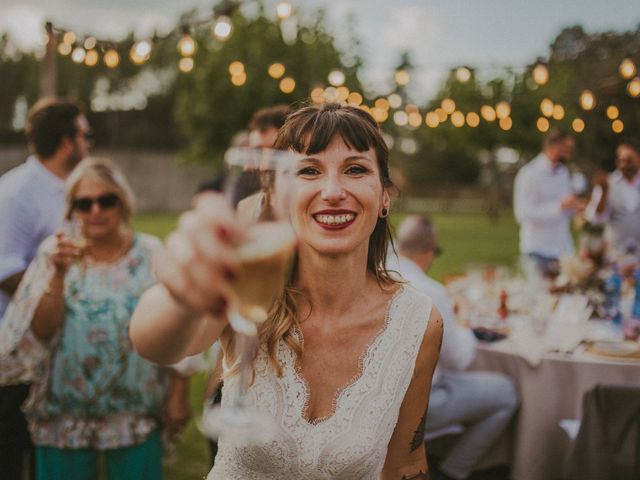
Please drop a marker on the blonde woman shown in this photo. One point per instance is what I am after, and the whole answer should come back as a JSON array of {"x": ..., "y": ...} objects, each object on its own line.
[
  {"x": 346, "y": 357},
  {"x": 93, "y": 394}
]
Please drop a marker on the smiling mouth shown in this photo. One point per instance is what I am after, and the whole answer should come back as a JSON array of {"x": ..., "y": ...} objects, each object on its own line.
[{"x": 341, "y": 219}]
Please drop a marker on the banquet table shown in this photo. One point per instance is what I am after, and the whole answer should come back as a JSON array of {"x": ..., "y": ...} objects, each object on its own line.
[{"x": 549, "y": 392}]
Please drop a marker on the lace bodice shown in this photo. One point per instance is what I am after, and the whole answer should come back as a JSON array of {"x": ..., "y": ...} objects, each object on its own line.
[{"x": 352, "y": 442}]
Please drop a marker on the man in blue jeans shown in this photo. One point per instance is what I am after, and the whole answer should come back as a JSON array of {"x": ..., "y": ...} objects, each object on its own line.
[{"x": 482, "y": 402}]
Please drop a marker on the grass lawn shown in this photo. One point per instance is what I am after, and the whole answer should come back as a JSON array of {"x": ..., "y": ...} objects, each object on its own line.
[{"x": 467, "y": 240}]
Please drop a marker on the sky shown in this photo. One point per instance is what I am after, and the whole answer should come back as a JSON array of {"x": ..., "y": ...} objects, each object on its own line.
[{"x": 439, "y": 34}]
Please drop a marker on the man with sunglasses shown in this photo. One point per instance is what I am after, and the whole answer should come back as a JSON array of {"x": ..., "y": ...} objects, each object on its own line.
[
  {"x": 31, "y": 208},
  {"x": 481, "y": 402}
]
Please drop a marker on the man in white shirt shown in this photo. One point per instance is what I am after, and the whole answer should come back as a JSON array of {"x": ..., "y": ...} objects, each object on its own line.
[
  {"x": 615, "y": 201},
  {"x": 31, "y": 208},
  {"x": 543, "y": 203},
  {"x": 482, "y": 402}
]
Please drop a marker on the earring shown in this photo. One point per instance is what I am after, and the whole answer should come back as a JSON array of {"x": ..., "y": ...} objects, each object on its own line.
[{"x": 384, "y": 212}]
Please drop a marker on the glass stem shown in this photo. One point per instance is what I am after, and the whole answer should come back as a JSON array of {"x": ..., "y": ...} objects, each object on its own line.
[{"x": 245, "y": 351}]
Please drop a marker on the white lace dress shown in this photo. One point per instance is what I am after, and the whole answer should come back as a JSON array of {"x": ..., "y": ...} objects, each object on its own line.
[{"x": 352, "y": 442}]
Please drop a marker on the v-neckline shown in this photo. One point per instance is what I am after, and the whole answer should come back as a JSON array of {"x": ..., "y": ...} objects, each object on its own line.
[{"x": 354, "y": 380}]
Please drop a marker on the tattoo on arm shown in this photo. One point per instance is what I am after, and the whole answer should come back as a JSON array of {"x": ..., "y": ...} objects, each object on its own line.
[
  {"x": 418, "y": 435},
  {"x": 417, "y": 476}
]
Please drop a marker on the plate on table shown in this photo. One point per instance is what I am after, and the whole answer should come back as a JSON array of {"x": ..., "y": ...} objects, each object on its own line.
[{"x": 626, "y": 349}]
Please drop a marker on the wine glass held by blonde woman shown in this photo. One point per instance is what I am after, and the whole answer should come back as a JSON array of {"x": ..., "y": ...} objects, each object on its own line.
[
  {"x": 346, "y": 356},
  {"x": 93, "y": 394}
]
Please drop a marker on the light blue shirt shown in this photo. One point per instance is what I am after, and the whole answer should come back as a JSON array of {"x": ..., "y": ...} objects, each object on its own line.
[{"x": 31, "y": 208}]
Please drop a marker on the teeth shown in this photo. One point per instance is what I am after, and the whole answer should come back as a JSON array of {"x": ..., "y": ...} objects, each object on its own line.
[{"x": 335, "y": 219}]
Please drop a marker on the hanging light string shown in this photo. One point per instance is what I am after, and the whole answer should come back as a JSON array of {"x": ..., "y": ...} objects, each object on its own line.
[{"x": 88, "y": 51}]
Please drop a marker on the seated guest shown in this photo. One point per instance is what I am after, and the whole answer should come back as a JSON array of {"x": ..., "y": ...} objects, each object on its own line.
[
  {"x": 482, "y": 402},
  {"x": 93, "y": 393},
  {"x": 615, "y": 200}
]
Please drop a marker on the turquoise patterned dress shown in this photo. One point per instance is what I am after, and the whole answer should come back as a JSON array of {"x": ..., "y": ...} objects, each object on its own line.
[{"x": 91, "y": 389}]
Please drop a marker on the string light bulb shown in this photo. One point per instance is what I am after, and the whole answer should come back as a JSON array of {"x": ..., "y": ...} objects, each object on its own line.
[
  {"x": 336, "y": 78},
  {"x": 91, "y": 58},
  {"x": 354, "y": 98},
  {"x": 577, "y": 125},
  {"x": 488, "y": 113},
  {"x": 612, "y": 112},
  {"x": 395, "y": 100},
  {"x": 222, "y": 28},
  {"x": 236, "y": 68},
  {"x": 186, "y": 64},
  {"x": 287, "y": 85},
  {"x": 400, "y": 118},
  {"x": 317, "y": 95},
  {"x": 542, "y": 124},
  {"x": 186, "y": 44},
  {"x": 448, "y": 105},
  {"x": 140, "y": 52},
  {"x": 431, "y": 120},
  {"x": 402, "y": 77},
  {"x": 78, "y": 54},
  {"x": 457, "y": 119},
  {"x": 276, "y": 70},
  {"x": 69, "y": 38},
  {"x": 463, "y": 74},
  {"x": 558, "y": 112},
  {"x": 111, "y": 58},
  {"x": 473, "y": 119},
  {"x": 283, "y": 10},
  {"x": 540, "y": 74},
  {"x": 587, "y": 100},
  {"x": 633, "y": 87},
  {"x": 546, "y": 107},
  {"x": 617, "y": 126},
  {"x": 506, "y": 123},
  {"x": 503, "y": 110},
  {"x": 90, "y": 43},
  {"x": 64, "y": 48},
  {"x": 627, "y": 68}
]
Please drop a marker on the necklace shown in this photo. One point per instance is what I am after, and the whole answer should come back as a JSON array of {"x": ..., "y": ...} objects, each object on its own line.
[{"x": 111, "y": 257}]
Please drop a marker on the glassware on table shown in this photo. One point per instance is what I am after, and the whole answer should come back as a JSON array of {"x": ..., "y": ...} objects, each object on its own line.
[{"x": 257, "y": 185}]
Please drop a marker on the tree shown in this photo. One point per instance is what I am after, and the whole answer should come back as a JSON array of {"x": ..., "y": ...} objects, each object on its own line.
[{"x": 210, "y": 109}]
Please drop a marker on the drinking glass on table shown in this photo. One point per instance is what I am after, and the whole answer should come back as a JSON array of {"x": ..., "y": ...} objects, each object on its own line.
[{"x": 257, "y": 185}]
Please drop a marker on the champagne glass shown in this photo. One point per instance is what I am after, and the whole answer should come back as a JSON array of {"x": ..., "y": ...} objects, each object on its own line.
[
  {"x": 257, "y": 185},
  {"x": 72, "y": 230}
]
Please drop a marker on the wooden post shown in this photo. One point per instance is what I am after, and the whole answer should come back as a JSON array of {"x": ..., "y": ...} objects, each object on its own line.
[{"x": 48, "y": 70}]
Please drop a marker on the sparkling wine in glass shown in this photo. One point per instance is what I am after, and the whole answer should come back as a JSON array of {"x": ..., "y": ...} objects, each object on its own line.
[{"x": 257, "y": 185}]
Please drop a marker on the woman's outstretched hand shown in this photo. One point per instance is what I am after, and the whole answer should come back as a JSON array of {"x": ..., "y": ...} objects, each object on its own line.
[{"x": 197, "y": 265}]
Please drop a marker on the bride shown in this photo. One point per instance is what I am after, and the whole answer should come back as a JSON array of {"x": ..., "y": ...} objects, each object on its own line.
[{"x": 347, "y": 355}]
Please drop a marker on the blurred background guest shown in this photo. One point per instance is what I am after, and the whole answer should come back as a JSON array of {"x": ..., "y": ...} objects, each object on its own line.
[
  {"x": 482, "y": 402},
  {"x": 615, "y": 200},
  {"x": 93, "y": 392},
  {"x": 543, "y": 203},
  {"x": 31, "y": 207}
]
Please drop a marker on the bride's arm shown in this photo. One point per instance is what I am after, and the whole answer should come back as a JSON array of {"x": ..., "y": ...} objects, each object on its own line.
[
  {"x": 406, "y": 458},
  {"x": 186, "y": 312}
]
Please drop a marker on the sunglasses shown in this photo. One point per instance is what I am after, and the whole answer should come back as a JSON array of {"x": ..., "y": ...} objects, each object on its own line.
[{"x": 85, "y": 204}]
